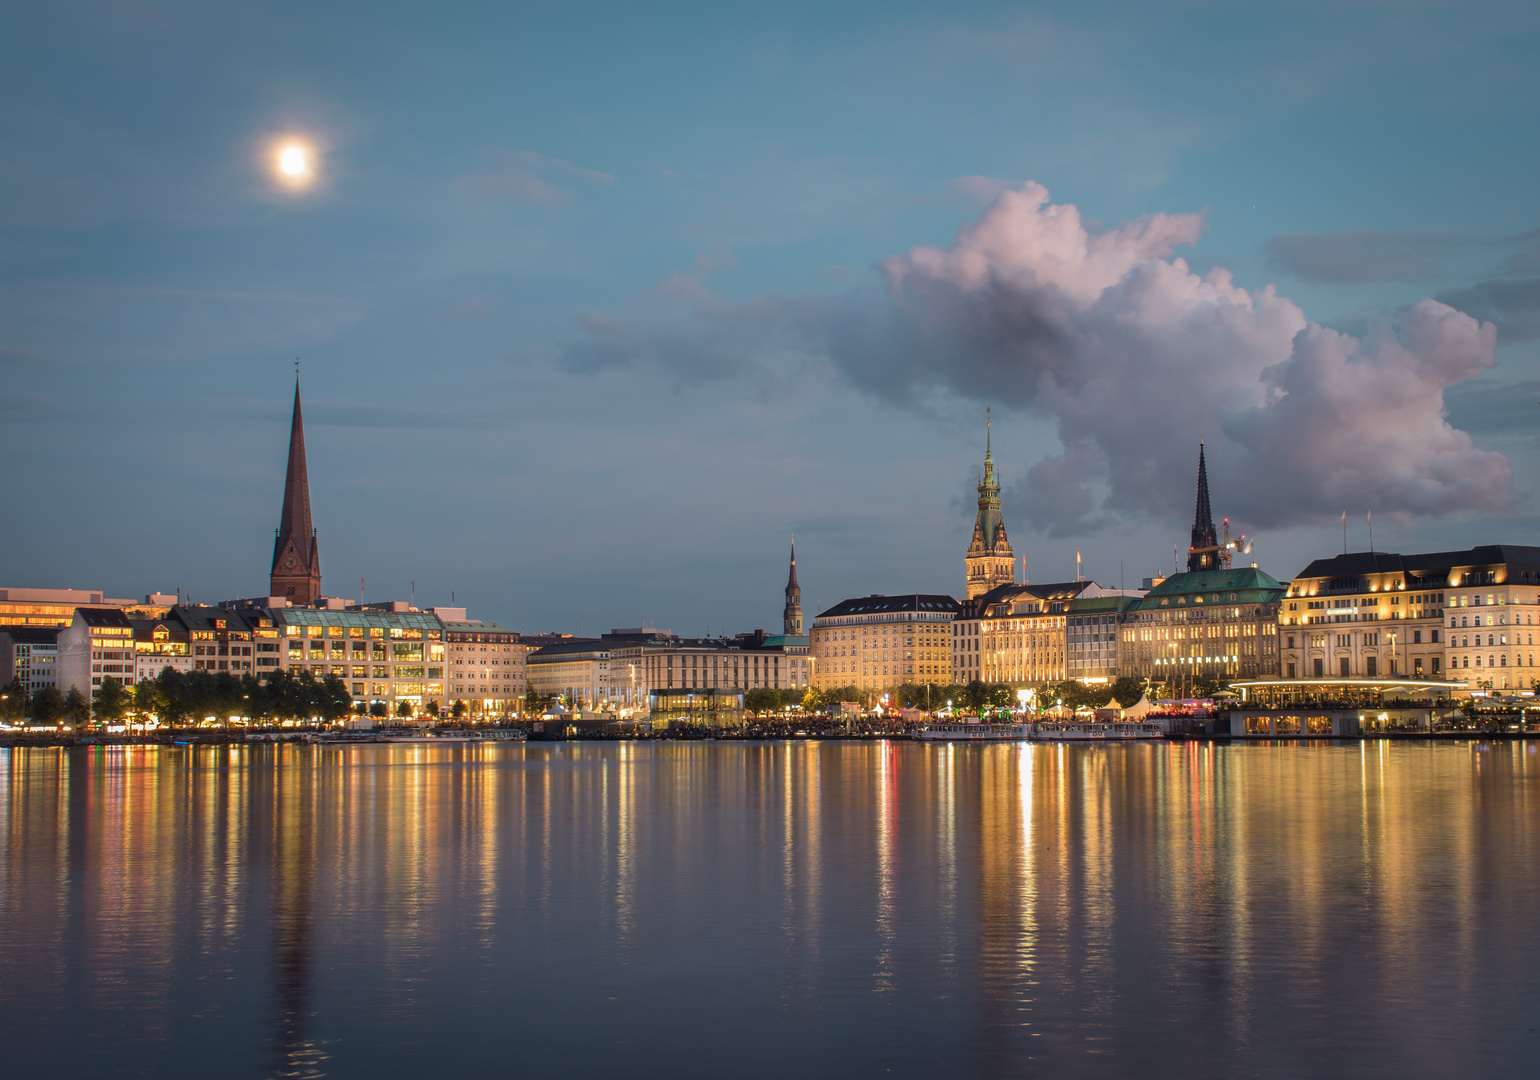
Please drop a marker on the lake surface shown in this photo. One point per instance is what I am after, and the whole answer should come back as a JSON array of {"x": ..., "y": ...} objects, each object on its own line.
[{"x": 839, "y": 909}]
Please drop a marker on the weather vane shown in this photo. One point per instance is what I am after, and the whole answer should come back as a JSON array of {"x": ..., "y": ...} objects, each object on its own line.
[{"x": 296, "y": 365}]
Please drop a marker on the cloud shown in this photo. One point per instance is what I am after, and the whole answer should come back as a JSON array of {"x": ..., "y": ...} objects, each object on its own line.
[
  {"x": 528, "y": 177},
  {"x": 1134, "y": 357},
  {"x": 981, "y": 189},
  {"x": 1513, "y": 304},
  {"x": 1348, "y": 258}
]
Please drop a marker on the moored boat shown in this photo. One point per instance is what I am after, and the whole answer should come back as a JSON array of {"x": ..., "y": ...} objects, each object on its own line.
[
  {"x": 964, "y": 732},
  {"x": 1091, "y": 730}
]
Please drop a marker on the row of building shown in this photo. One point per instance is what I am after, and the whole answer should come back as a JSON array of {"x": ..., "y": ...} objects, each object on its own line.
[
  {"x": 1451, "y": 616},
  {"x": 1457, "y": 616}
]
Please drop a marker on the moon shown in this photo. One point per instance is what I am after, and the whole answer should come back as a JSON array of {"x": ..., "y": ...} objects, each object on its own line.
[{"x": 294, "y": 164}]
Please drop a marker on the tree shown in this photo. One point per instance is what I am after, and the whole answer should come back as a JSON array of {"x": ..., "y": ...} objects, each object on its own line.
[
  {"x": 404, "y": 710},
  {"x": 761, "y": 699},
  {"x": 458, "y": 712},
  {"x": 812, "y": 701},
  {"x": 47, "y": 705},
  {"x": 13, "y": 701},
  {"x": 112, "y": 701},
  {"x": 333, "y": 700},
  {"x": 147, "y": 698},
  {"x": 379, "y": 709},
  {"x": 77, "y": 707}
]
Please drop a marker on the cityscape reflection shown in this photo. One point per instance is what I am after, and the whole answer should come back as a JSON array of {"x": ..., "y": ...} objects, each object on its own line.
[{"x": 775, "y": 907}]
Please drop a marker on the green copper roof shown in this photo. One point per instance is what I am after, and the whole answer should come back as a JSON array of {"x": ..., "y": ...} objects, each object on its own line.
[{"x": 1246, "y": 585}]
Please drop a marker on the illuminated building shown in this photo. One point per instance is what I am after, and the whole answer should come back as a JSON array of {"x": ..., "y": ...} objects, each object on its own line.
[
  {"x": 97, "y": 643},
  {"x": 30, "y": 654},
  {"x": 56, "y": 607},
  {"x": 1208, "y": 624},
  {"x": 1033, "y": 634},
  {"x": 389, "y": 656},
  {"x": 1461, "y": 615},
  {"x": 876, "y": 642},
  {"x": 1204, "y": 554},
  {"x": 486, "y": 666},
  {"x": 990, "y": 562}
]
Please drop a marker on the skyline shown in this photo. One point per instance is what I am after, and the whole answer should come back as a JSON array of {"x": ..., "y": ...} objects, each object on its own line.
[{"x": 586, "y": 344}]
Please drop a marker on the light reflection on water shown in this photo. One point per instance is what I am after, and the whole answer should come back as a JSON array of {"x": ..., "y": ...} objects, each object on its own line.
[{"x": 765, "y": 909}]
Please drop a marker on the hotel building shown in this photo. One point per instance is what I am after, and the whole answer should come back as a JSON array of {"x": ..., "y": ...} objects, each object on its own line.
[
  {"x": 876, "y": 642},
  {"x": 1208, "y": 624},
  {"x": 1457, "y": 615},
  {"x": 487, "y": 665}
]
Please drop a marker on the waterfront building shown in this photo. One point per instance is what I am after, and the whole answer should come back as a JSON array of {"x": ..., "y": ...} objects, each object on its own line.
[
  {"x": 487, "y": 665},
  {"x": 160, "y": 644},
  {"x": 98, "y": 642},
  {"x": 56, "y": 607},
  {"x": 990, "y": 561},
  {"x": 1020, "y": 633},
  {"x": 1211, "y": 624},
  {"x": 577, "y": 672},
  {"x": 296, "y": 569},
  {"x": 876, "y": 642},
  {"x": 1459, "y": 615},
  {"x": 222, "y": 639},
  {"x": 29, "y": 654},
  {"x": 648, "y": 662},
  {"x": 387, "y": 656}
]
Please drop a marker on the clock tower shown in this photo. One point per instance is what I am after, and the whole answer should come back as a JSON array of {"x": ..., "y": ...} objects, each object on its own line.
[{"x": 296, "y": 573}]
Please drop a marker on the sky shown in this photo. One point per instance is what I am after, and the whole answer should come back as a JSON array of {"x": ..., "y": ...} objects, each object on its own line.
[{"x": 597, "y": 304}]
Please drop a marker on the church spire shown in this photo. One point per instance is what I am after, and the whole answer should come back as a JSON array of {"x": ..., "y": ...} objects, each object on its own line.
[
  {"x": 791, "y": 616},
  {"x": 1204, "y": 552},
  {"x": 989, "y": 559},
  {"x": 296, "y": 572}
]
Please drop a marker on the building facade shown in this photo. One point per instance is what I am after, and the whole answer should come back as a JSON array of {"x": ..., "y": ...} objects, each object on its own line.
[
  {"x": 1020, "y": 634},
  {"x": 1457, "y": 615},
  {"x": 1207, "y": 624},
  {"x": 487, "y": 667},
  {"x": 876, "y": 642},
  {"x": 382, "y": 656},
  {"x": 98, "y": 642},
  {"x": 30, "y": 655},
  {"x": 990, "y": 561}
]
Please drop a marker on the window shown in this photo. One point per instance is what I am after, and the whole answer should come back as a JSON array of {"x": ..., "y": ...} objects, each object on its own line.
[
  {"x": 1342, "y": 664},
  {"x": 1319, "y": 665},
  {"x": 1371, "y": 666}
]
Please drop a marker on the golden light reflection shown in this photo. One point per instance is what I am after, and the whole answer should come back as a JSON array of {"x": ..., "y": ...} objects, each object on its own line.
[{"x": 1040, "y": 886}]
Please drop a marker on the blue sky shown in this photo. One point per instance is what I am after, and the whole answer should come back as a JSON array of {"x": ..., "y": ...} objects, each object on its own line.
[{"x": 596, "y": 302}]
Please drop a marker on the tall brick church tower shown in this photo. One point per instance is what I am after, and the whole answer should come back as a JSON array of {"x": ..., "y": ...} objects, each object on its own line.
[{"x": 296, "y": 573}]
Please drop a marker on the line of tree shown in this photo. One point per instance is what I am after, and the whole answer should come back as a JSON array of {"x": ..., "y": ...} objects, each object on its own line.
[{"x": 177, "y": 697}]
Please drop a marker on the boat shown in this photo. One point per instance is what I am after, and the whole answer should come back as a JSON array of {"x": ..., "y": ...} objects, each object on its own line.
[
  {"x": 1093, "y": 731},
  {"x": 965, "y": 732}
]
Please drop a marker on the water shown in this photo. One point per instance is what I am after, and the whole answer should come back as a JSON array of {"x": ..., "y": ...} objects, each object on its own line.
[{"x": 771, "y": 909}]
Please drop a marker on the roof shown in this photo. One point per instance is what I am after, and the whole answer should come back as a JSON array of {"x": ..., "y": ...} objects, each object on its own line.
[
  {"x": 877, "y": 604},
  {"x": 1363, "y": 563},
  {"x": 31, "y": 635},
  {"x": 98, "y": 616},
  {"x": 409, "y": 620},
  {"x": 1097, "y": 604},
  {"x": 566, "y": 648},
  {"x": 207, "y": 618},
  {"x": 1242, "y": 579},
  {"x": 475, "y": 626},
  {"x": 785, "y": 641}
]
